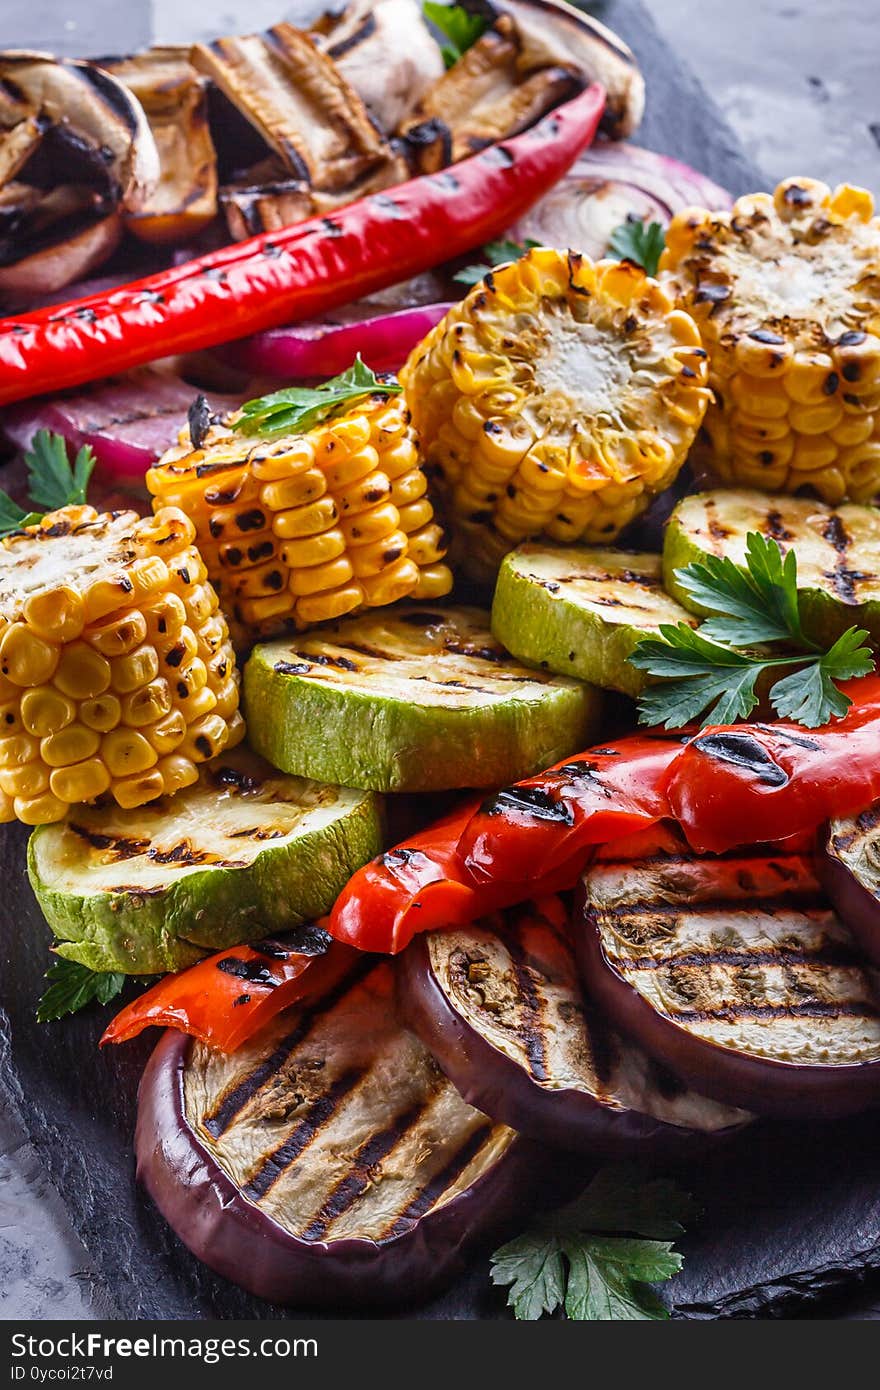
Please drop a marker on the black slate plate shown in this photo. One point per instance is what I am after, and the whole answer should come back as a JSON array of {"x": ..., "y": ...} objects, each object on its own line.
[{"x": 789, "y": 1213}]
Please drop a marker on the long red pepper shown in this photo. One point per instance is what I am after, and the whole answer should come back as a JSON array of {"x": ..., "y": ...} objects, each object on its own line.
[{"x": 298, "y": 272}]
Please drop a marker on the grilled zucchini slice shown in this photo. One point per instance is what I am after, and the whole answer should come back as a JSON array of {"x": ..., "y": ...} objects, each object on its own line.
[
  {"x": 580, "y": 612},
  {"x": 735, "y": 972},
  {"x": 413, "y": 699},
  {"x": 837, "y": 548},
  {"x": 243, "y": 852}
]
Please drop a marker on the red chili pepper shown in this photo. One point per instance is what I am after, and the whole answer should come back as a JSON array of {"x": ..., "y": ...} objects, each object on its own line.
[
  {"x": 300, "y": 271},
  {"x": 226, "y": 998},
  {"x": 422, "y": 885},
  {"x": 530, "y": 829},
  {"x": 752, "y": 782}
]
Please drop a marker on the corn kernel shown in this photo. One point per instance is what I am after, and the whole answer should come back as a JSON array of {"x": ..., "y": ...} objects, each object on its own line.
[
  {"x": 176, "y": 773},
  {"x": 70, "y": 745},
  {"x": 27, "y": 781},
  {"x": 137, "y": 791},
  {"x": 119, "y": 635},
  {"x": 58, "y": 615},
  {"x": 82, "y": 672},
  {"x": 335, "y": 603},
  {"x": 46, "y": 711},
  {"x": 167, "y": 733},
  {"x": 25, "y": 658},
  {"x": 80, "y": 781},
  {"x": 138, "y": 668},
  {"x": 39, "y": 810},
  {"x": 18, "y": 749},
  {"x": 147, "y": 704},
  {"x": 204, "y": 738},
  {"x": 103, "y": 713}
]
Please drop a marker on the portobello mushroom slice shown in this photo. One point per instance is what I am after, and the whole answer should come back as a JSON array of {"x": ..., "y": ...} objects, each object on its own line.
[
  {"x": 242, "y": 852},
  {"x": 735, "y": 972},
  {"x": 849, "y": 868},
  {"x": 501, "y": 1007},
  {"x": 173, "y": 95},
  {"x": 328, "y": 1161},
  {"x": 385, "y": 52},
  {"x": 410, "y": 699}
]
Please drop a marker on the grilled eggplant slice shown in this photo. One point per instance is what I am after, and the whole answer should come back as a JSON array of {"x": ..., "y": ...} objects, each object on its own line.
[
  {"x": 328, "y": 1161},
  {"x": 837, "y": 548},
  {"x": 242, "y": 852},
  {"x": 500, "y": 1006},
  {"x": 735, "y": 972},
  {"x": 410, "y": 699},
  {"x": 385, "y": 52},
  {"x": 580, "y": 611},
  {"x": 849, "y": 868}
]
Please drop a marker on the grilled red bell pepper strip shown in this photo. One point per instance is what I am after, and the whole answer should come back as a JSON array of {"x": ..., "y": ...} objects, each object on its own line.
[
  {"x": 299, "y": 271},
  {"x": 421, "y": 885},
  {"x": 226, "y": 998},
  {"x": 751, "y": 782},
  {"x": 530, "y": 829}
]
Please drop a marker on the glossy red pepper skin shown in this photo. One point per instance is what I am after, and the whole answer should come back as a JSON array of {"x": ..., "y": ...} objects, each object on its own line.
[
  {"x": 298, "y": 272},
  {"x": 421, "y": 885},
  {"x": 531, "y": 829},
  {"x": 753, "y": 782},
  {"x": 226, "y": 998}
]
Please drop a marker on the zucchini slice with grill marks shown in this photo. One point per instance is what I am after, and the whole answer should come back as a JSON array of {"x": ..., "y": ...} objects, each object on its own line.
[
  {"x": 580, "y": 612},
  {"x": 410, "y": 699},
  {"x": 735, "y": 972},
  {"x": 243, "y": 852},
  {"x": 849, "y": 867},
  {"x": 328, "y": 1160},
  {"x": 837, "y": 548},
  {"x": 501, "y": 1007}
]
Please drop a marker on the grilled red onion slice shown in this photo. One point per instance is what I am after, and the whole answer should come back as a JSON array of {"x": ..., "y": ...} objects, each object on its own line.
[
  {"x": 500, "y": 1006},
  {"x": 849, "y": 868},
  {"x": 610, "y": 182},
  {"x": 328, "y": 1161},
  {"x": 129, "y": 421},
  {"x": 325, "y": 348},
  {"x": 735, "y": 973}
]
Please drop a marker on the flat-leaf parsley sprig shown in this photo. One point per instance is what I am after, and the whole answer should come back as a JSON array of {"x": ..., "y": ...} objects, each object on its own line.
[
  {"x": 638, "y": 241},
  {"x": 711, "y": 673},
  {"x": 52, "y": 482},
  {"x": 598, "y": 1257},
  {"x": 302, "y": 407}
]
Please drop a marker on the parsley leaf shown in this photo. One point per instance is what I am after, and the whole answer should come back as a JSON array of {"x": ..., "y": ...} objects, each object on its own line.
[
  {"x": 712, "y": 672},
  {"x": 52, "y": 483},
  {"x": 642, "y": 242},
  {"x": 301, "y": 407},
  {"x": 70, "y": 986},
  {"x": 598, "y": 1256},
  {"x": 458, "y": 26},
  {"x": 494, "y": 253}
]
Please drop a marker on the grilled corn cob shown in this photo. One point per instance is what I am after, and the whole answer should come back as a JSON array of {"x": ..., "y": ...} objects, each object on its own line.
[
  {"x": 116, "y": 671},
  {"x": 556, "y": 399},
  {"x": 786, "y": 290},
  {"x": 308, "y": 527}
]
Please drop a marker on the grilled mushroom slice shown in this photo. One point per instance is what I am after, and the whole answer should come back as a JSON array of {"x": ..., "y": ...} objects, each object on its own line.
[
  {"x": 385, "y": 52},
  {"x": 735, "y": 972},
  {"x": 267, "y": 198},
  {"x": 48, "y": 239},
  {"x": 849, "y": 867},
  {"x": 500, "y": 1006},
  {"x": 17, "y": 144},
  {"x": 173, "y": 96},
  {"x": 328, "y": 1161}
]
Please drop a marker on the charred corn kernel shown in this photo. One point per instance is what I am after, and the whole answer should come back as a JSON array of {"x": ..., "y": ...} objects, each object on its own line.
[
  {"x": 81, "y": 781},
  {"x": 82, "y": 672},
  {"x": 786, "y": 291},
  {"x": 176, "y": 772},
  {"x": 58, "y": 615},
  {"x": 39, "y": 810},
  {"x": 395, "y": 582},
  {"x": 559, "y": 378},
  {"x": 137, "y": 791},
  {"x": 46, "y": 711},
  {"x": 7, "y": 807},
  {"x": 280, "y": 520},
  {"x": 119, "y": 635},
  {"x": 103, "y": 713},
  {"x": 25, "y": 658},
  {"x": 106, "y": 627},
  {"x": 204, "y": 738},
  {"x": 70, "y": 745},
  {"x": 27, "y": 781},
  {"x": 432, "y": 582},
  {"x": 367, "y": 560},
  {"x": 126, "y": 751},
  {"x": 168, "y": 733}
]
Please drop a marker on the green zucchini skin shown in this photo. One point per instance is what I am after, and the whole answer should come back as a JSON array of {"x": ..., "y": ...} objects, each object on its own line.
[
  {"x": 581, "y": 611},
  {"x": 838, "y": 552},
  {"x": 141, "y": 929},
  {"x": 331, "y": 720}
]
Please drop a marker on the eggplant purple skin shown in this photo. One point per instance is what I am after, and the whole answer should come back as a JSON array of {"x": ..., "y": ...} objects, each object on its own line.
[
  {"x": 768, "y": 1087},
  {"x": 501, "y": 1088},
  {"x": 238, "y": 1241},
  {"x": 853, "y": 902}
]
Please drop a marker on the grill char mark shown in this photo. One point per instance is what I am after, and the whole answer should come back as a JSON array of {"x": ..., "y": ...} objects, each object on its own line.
[
  {"x": 808, "y": 1009},
  {"x": 319, "y": 1113},
  {"x": 530, "y": 1024},
  {"x": 431, "y": 1193}
]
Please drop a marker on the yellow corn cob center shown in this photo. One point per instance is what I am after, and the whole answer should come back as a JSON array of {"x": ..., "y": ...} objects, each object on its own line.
[
  {"x": 116, "y": 670},
  {"x": 306, "y": 528},
  {"x": 786, "y": 290},
  {"x": 557, "y": 398}
]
